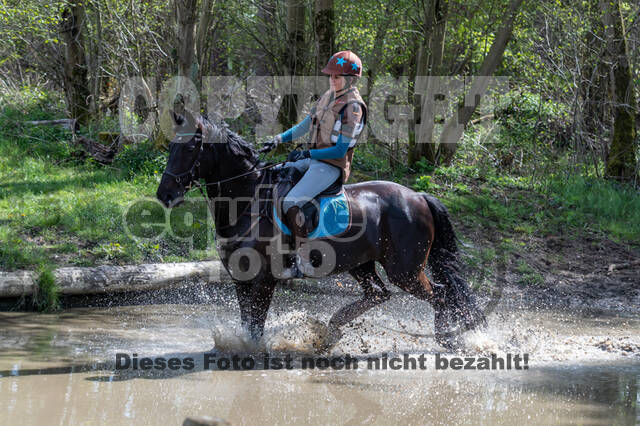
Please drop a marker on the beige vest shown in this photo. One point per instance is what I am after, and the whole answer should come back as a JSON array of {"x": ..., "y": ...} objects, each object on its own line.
[{"x": 323, "y": 122}]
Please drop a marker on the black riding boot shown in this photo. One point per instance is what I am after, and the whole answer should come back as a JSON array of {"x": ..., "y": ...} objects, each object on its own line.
[
  {"x": 295, "y": 220},
  {"x": 290, "y": 264}
]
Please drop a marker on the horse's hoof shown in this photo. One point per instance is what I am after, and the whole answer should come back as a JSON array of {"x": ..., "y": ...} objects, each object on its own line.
[
  {"x": 451, "y": 342},
  {"x": 291, "y": 273},
  {"x": 331, "y": 339}
]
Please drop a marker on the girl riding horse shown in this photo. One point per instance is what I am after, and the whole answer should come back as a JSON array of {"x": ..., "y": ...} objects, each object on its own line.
[{"x": 335, "y": 123}]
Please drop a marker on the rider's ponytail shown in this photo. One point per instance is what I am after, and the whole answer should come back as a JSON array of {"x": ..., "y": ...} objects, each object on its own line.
[{"x": 350, "y": 80}]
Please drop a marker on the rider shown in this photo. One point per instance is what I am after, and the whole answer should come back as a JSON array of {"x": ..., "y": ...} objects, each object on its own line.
[{"x": 335, "y": 123}]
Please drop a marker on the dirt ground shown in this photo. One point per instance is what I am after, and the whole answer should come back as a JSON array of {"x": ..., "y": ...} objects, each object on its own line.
[{"x": 585, "y": 270}]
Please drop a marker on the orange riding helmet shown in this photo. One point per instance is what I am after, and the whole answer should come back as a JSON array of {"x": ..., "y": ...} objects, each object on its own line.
[{"x": 344, "y": 63}]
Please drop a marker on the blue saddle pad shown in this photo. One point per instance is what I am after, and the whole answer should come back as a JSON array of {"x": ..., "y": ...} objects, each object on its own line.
[{"x": 333, "y": 217}]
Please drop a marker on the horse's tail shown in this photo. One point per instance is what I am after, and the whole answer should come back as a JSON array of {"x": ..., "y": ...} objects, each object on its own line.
[{"x": 455, "y": 305}]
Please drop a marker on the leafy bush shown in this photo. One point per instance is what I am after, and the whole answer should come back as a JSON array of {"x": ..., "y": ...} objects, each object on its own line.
[
  {"x": 424, "y": 166},
  {"x": 532, "y": 129},
  {"x": 455, "y": 172},
  {"x": 140, "y": 159},
  {"x": 425, "y": 183}
]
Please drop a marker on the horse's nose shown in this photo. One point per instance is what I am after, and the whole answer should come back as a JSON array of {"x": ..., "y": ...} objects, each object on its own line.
[{"x": 165, "y": 198}]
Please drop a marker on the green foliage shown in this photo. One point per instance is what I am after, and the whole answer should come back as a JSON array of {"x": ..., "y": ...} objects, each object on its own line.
[
  {"x": 455, "y": 172},
  {"x": 367, "y": 158},
  {"x": 45, "y": 297},
  {"x": 140, "y": 159},
  {"x": 425, "y": 183},
  {"x": 531, "y": 129},
  {"x": 602, "y": 205},
  {"x": 528, "y": 275},
  {"x": 423, "y": 166}
]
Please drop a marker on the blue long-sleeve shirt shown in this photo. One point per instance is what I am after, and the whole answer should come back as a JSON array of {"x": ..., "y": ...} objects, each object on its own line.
[{"x": 339, "y": 150}]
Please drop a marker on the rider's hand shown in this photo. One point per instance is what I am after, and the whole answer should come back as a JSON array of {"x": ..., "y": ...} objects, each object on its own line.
[
  {"x": 270, "y": 144},
  {"x": 298, "y": 155}
]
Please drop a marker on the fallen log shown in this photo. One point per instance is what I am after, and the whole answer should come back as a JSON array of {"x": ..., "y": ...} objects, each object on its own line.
[
  {"x": 103, "y": 154},
  {"x": 205, "y": 421},
  {"x": 112, "y": 279},
  {"x": 617, "y": 266},
  {"x": 67, "y": 123}
]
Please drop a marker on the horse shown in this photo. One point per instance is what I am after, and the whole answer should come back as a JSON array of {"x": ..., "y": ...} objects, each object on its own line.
[{"x": 402, "y": 230}]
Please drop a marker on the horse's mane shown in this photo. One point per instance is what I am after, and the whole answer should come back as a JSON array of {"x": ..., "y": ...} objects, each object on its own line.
[
  {"x": 235, "y": 143},
  {"x": 239, "y": 146}
]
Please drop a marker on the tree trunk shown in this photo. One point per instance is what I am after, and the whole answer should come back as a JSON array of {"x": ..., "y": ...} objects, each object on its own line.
[
  {"x": 428, "y": 62},
  {"x": 266, "y": 19},
  {"x": 217, "y": 60},
  {"x": 454, "y": 127},
  {"x": 94, "y": 58},
  {"x": 324, "y": 18},
  {"x": 75, "y": 65},
  {"x": 186, "y": 16},
  {"x": 202, "y": 41},
  {"x": 595, "y": 84},
  {"x": 378, "y": 45},
  {"x": 432, "y": 61},
  {"x": 295, "y": 58},
  {"x": 621, "y": 161}
]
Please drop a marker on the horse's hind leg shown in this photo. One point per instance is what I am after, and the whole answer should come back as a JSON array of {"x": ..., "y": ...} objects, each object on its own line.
[
  {"x": 418, "y": 285},
  {"x": 370, "y": 281},
  {"x": 375, "y": 292}
]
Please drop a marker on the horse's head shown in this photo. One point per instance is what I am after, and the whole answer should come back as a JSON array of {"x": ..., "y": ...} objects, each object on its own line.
[
  {"x": 202, "y": 150},
  {"x": 185, "y": 157}
]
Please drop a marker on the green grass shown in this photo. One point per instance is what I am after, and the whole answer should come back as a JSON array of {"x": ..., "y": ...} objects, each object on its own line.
[
  {"x": 518, "y": 206},
  {"x": 528, "y": 275},
  {"x": 56, "y": 208},
  {"x": 511, "y": 211},
  {"x": 605, "y": 206},
  {"x": 45, "y": 297}
]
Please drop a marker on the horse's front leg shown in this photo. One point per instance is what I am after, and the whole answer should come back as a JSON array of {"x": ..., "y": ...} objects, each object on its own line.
[
  {"x": 254, "y": 298},
  {"x": 243, "y": 293}
]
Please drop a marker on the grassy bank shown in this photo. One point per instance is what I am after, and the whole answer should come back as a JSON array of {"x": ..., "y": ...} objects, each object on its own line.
[
  {"x": 556, "y": 204},
  {"x": 58, "y": 208}
]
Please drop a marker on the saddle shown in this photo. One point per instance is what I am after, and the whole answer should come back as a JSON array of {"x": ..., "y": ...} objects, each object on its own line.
[{"x": 288, "y": 177}]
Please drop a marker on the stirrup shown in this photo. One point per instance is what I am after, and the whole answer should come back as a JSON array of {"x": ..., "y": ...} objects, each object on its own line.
[
  {"x": 304, "y": 264},
  {"x": 291, "y": 273},
  {"x": 292, "y": 269}
]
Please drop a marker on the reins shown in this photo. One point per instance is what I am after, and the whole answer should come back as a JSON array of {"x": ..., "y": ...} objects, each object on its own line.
[
  {"x": 200, "y": 186},
  {"x": 218, "y": 183}
]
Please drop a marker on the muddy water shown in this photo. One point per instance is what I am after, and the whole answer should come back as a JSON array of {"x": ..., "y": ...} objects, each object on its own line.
[{"x": 584, "y": 366}]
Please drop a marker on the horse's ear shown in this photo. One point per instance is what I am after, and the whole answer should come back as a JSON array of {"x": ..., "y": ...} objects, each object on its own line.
[
  {"x": 200, "y": 124},
  {"x": 177, "y": 118}
]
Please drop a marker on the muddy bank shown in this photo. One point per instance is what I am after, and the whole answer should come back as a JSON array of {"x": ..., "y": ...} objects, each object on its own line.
[{"x": 561, "y": 270}]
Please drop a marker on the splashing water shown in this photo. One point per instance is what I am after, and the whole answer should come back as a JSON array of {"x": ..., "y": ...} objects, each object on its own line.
[{"x": 293, "y": 332}]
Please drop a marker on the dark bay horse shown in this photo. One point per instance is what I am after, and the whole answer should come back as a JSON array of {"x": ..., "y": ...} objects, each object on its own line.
[{"x": 391, "y": 224}]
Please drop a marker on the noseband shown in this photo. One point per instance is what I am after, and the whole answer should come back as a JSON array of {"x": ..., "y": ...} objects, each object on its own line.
[{"x": 192, "y": 171}]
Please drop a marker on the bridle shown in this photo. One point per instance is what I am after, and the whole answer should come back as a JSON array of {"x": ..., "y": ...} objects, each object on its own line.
[
  {"x": 193, "y": 181},
  {"x": 192, "y": 170}
]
